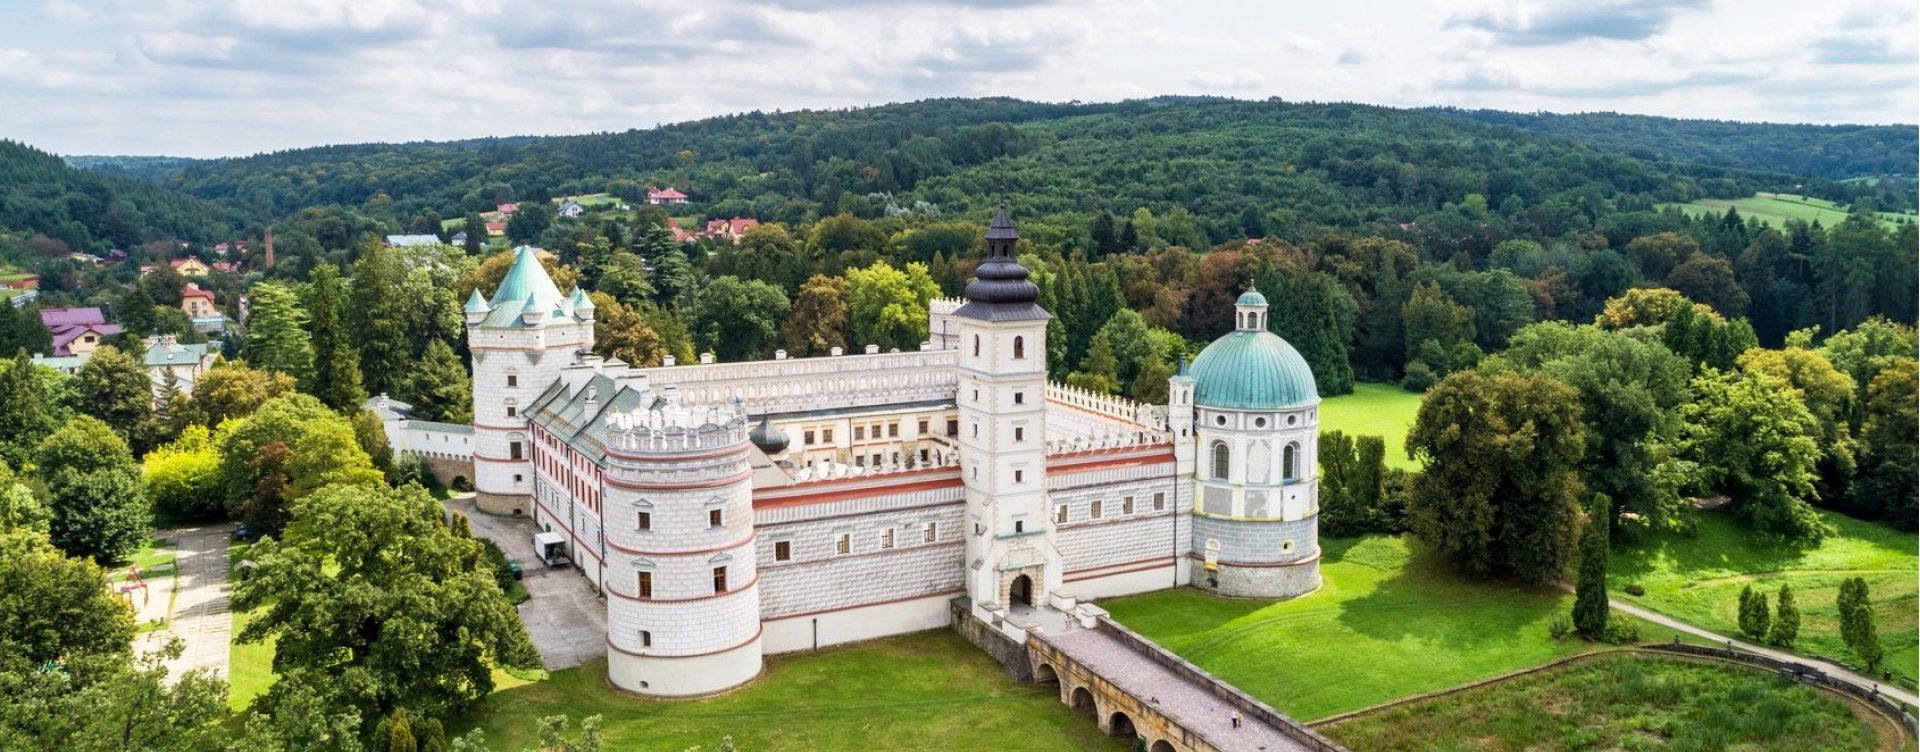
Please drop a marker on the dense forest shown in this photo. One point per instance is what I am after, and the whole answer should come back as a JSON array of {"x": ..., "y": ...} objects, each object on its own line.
[
  {"x": 154, "y": 170},
  {"x": 41, "y": 194}
]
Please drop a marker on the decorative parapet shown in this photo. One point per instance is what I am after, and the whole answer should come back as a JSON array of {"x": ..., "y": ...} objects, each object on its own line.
[
  {"x": 677, "y": 428},
  {"x": 795, "y": 384},
  {"x": 1119, "y": 408},
  {"x": 1107, "y": 440},
  {"x": 829, "y": 470}
]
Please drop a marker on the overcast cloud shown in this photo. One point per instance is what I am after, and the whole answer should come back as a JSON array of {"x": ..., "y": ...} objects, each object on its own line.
[{"x": 228, "y": 77}]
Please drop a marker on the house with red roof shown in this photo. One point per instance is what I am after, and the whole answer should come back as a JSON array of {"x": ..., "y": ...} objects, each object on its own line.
[
  {"x": 507, "y": 210},
  {"x": 680, "y": 235},
  {"x": 77, "y": 331},
  {"x": 496, "y": 229},
  {"x": 730, "y": 230},
  {"x": 197, "y": 303},
  {"x": 666, "y": 197}
]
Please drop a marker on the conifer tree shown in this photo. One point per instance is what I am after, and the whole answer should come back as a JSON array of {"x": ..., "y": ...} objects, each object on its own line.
[
  {"x": 440, "y": 389},
  {"x": 335, "y": 376},
  {"x": 1590, "y": 608},
  {"x": 277, "y": 331},
  {"x": 1786, "y": 622},
  {"x": 20, "y": 329},
  {"x": 1754, "y": 616},
  {"x": 31, "y": 409},
  {"x": 1856, "y": 622},
  {"x": 377, "y": 318}
]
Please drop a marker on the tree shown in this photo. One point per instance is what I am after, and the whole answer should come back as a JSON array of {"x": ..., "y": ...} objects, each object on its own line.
[
  {"x": 1754, "y": 616},
  {"x": 1828, "y": 395},
  {"x": 93, "y": 487},
  {"x": 1754, "y": 440},
  {"x": 1315, "y": 315},
  {"x": 527, "y": 224},
  {"x": 620, "y": 332},
  {"x": 29, "y": 398},
  {"x": 371, "y": 436},
  {"x": 378, "y": 318},
  {"x": 1106, "y": 241},
  {"x": 115, "y": 388},
  {"x": 818, "y": 321},
  {"x": 1098, "y": 370},
  {"x": 322, "y": 451},
  {"x": 183, "y": 476},
  {"x": 439, "y": 388},
  {"x": 1341, "y": 515},
  {"x": 394, "y": 733},
  {"x": 1500, "y": 492},
  {"x": 20, "y": 329},
  {"x": 1439, "y": 331},
  {"x": 363, "y": 580},
  {"x": 56, "y": 608},
  {"x": 738, "y": 320},
  {"x": 1706, "y": 339},
  {"x": 1656, "y": 255},
  {"x": 335, "y": 377},
  {"x": 888, "y": 306},
  {"x": 1786, "y": 622},
  {"x": 1642, "y": 306},
  {"x": 1590, "y": 607},
  {"x": 277, "y": 337},
  {"x": 232, "y": 390},
  {"x": 136, "y": 312},
  {"x": 673, "y": 274},
  {"x": 1856, "y": 621},
  {"x": 113, "y": 703},
  {"x": 1891, "y": 460},
  {"x": 1875, "y": 344},
  {"x": 1710, "y": 280}
]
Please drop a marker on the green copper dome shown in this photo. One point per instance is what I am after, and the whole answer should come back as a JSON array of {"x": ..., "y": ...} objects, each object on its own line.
[
  {"x": 1252, "y": 370},
  {"x": 1251, "y": 298}
]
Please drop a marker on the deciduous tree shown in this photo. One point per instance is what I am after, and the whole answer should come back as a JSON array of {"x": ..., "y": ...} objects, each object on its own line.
[
  {"x": 1754, "y": 440},
  {"x": 818, "y": 321},
  {"x": 739, "y": 320},
  {"x": 888, "y": 306},
  {"x": 1885, "y": 487},
  {"x": 115, "y": 388},
  {"x": 99, "y": 505}
]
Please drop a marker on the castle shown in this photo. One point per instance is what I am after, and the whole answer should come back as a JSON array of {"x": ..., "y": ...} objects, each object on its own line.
[{"x": 729, "y": 511}]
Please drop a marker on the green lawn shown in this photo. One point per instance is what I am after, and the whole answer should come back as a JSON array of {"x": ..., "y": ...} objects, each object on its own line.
[
  {"x": 925, "y": 691},
  {"x": 1775, "y": 209},
  {"x": 1391, "y": 620},
  {"x": 1623, "y": 703},
  {"x": 1698, "y": 579},
  {"x": 1382, "y": 410},
  {"x": 249, "y": 666}
]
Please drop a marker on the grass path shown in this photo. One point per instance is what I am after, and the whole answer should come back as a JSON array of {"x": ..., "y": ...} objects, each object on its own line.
[
  {"x": 1698, "y": 579},
  {"x": 924, "y": 691},
  {"x": 1775, "y": 209},
  {"x": 1390, "y": 621},
  {"x": 1382, "y": 410}
]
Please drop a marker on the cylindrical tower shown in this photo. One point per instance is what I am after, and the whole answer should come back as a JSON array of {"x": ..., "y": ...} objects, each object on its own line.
[
  {"x": 683, "y": 591},
  {"x": 1256, "y": 486}
]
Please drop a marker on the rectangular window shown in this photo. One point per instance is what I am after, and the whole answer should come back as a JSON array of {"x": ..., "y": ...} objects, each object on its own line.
[
  {"x": 719, "y": 579},
  {"x": 860, "y": 460},
  {"x": 930, "y": 532},
  {"x": 1159, "y": 502},
  {"x": 923, "y": 426},
  {"x": 843, "y": 544},
  {"x": 510, "y": 411},
  {"x": 893, "y": 430},
  {"x": 1019, "y": 434},
  {"x": 859, "y": 433},
  {"x": 646, "y": 584},
  {"x": 715, "y": 518},
  {"x": 1019, "y": 526},
  {"x": 1019, "y": 475},
  {"x": 1126, "y": 505},
  {"x": 953, "y": 427},
  {"x": 1094, "y": 509},
  {"x": 826, "y": 435},
  {"x": 1019, "y": 398},
  {"x": 876, "y": 460},
  {"x": 646, "y": 521},
  {"x": 807, "y": 438},
  {"x": 782, "y": 551},
  {"x": 646, "y": 639},
  {"x": 886, "y": 538},
  {"x": 1059, "y": 514},
  {"x": 513, "y": 380},
  {"x": 515, "y": 451}
]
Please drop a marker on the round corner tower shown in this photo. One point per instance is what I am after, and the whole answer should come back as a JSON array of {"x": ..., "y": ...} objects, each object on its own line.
[
  {"x": 682, "y": 585},
  {"x": 520, "y": 339},
  {"x": 1256, "y": 440}
]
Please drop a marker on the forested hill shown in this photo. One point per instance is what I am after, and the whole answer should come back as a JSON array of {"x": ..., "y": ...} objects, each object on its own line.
[
  {"x": 1225, "y": 161},
  {"x": 1834, "y": 152},
  {"x": 41, "y": 194},
  {"x": 154, "y": 170}
]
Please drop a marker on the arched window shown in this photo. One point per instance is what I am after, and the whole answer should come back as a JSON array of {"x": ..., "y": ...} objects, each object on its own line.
[
  {"x": 1222, "y": 458},
  {"x": 1288, "y": 459},
  {"x": 976, "y": 345},
  {"x": 1019, "y": 348}
]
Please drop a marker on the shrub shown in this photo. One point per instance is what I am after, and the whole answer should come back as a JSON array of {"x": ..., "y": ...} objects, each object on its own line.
[
  {"x": 1622, "y": 630},
  {"x": 497, "y": 559},
  {"x": 1559, "y": 626},
  {"x": 1635, "y": 590},
  {"x": 1419, "y": 377}
]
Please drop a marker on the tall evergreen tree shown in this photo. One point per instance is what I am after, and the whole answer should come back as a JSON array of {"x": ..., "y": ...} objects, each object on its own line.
[
  {"x": 27, "y": 399},
  {"x": 1315, "y": 315},
  {"x": 1106, "y": 241},
  {"x": 1786, "y": 621},
  {"x": 1590, "y": 608},
  {"x": 378, "y": 316},
  {"x": 335, "y": 376},
  {"x": 20, "y": 329},
  {"x": 1856, "y": 622},
  {"x": 277, "y": 331},
  {"x": 1754, "y": 615},
  {"x": 439, "y": 388}
]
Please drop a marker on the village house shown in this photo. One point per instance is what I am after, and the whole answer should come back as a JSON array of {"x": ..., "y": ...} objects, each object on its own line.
[
  {"x": 571, "y": 208},
  {"x": 77, "y": 331},
  {"x": 666, "y": 197},
  {"x": 407, "y": 241},
  {"x": 730, "y": 230}
]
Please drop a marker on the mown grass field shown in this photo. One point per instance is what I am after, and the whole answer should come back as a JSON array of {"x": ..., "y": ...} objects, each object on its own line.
[
  {"x": 1698, "y": 579},
  {"x": 1383, "y": 410},
  {"x": 249, "y": 666},
  {"x": 1391, "y": 620},
  {"x": 925, "y": 691},
  {"x": 1623, "y": 703},
  {"x": 1775, "y": 209}
]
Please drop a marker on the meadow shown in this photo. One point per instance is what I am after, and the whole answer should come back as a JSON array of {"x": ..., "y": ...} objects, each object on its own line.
[
  {"x": 1383, "y": 410},
  {"x": 1620, "y": 702},
  {"x": 1698, "y": 579},
  {"x": 1775, "y": 209},
  {"x": 1391, "y": 620},
  {"x": 924, "y": 691}
]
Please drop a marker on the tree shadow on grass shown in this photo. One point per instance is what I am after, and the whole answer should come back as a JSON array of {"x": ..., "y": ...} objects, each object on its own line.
[
  {"x": 1431, "y": 601},
  {"x": 1720, "y": 541}
]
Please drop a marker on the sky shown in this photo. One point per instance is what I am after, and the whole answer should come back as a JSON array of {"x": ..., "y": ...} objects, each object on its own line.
[{"x": 205, "y": 78}]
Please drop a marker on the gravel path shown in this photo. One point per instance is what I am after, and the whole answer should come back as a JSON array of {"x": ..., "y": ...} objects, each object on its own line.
[{"x": 201, "y": 615}]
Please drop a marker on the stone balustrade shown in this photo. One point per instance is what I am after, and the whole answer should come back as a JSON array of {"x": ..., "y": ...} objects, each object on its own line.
[
  {"x": 1118, "y": 408},
  {"x": 816, "y": 383}
]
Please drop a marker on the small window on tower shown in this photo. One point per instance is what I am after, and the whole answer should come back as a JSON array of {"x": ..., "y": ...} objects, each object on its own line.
[
  {"x": 1019, "y": 475},
  {"x": 719, "y": 579},
  {"x": 929, "y": 532},
  {"x": 646, "y": 521},
  {"x": 515, "y": 451},
  {"x": 1019, "y": 398},
  {"x": 1159, "y": 502},
  {"x": 782, "y": 551},
  {"x": 1019, "y": 348},
  {"x": 1019, "y": 526},
  {"x": 646, "y": 639},
  {"x": 510, "y": 411},
  {"x": 1059, "y": 514},
  {"x": 1019, "y": 434},
  {"x": 715, "y": 518},
  {"x": 886, "y": 538},
  {"x": 513, "y": 379},
  {"x": 843, "y": 544},
  {"x": 646, "y": 584},
  {"x": 1126, "y": 505},
  {"x": 1093, "y": 510},
  {"x": 976, "y": 345}
]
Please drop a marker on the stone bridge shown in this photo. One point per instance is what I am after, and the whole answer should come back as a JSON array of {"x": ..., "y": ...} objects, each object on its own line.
[{"x": 1131, "y": 687}]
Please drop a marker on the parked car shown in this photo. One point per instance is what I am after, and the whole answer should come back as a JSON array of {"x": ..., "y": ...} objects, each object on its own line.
[
  {"x": 513, "y": 567},
  {"x": 245, "y": 532}
]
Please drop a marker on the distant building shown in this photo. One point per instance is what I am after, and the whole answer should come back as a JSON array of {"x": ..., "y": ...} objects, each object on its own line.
[
  {"x": 459, "y": 238},
  {"x": 24, "y": 282},
  {"x": 680, "y": 235},
  {"x": 405, "y": 241},
  {"x": 186, "y": 362},
  {"x": 200, "y": 307},
  {"x": 496, "y": 229},
  {"x": 507, "y": 210},
  {"x": 77, "y": 331},
  {"x": 730, "y": 230},
  {"x": 190, "y": 266},
  {"x": 572, "y": 208},
  {"x": 666, "y": 197}
]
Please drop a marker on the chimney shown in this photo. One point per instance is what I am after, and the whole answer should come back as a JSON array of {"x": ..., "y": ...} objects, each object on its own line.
[{"x": 269, "y": 244}]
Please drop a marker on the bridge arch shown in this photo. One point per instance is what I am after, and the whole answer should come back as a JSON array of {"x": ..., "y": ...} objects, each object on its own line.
[
  {"x": 1120, "y": 725},
  {"x": 1044, "y": 674},
  {"x": 1161, "y": 745},
  {"x": 1082, "y": 702}
]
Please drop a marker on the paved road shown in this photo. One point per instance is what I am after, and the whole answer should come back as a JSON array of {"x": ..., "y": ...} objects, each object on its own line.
[
  {"x": 1831, "y": 669},
  {"x": 1192, "y": 707},
  {"x": 566, "y": 621},
  {"x": 201, "y": 615}
]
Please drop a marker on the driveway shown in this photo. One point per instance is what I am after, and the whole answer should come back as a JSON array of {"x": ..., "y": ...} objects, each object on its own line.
[
  {"x": 567, "y": 622},
  {"x": 199, "y": 615}
]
